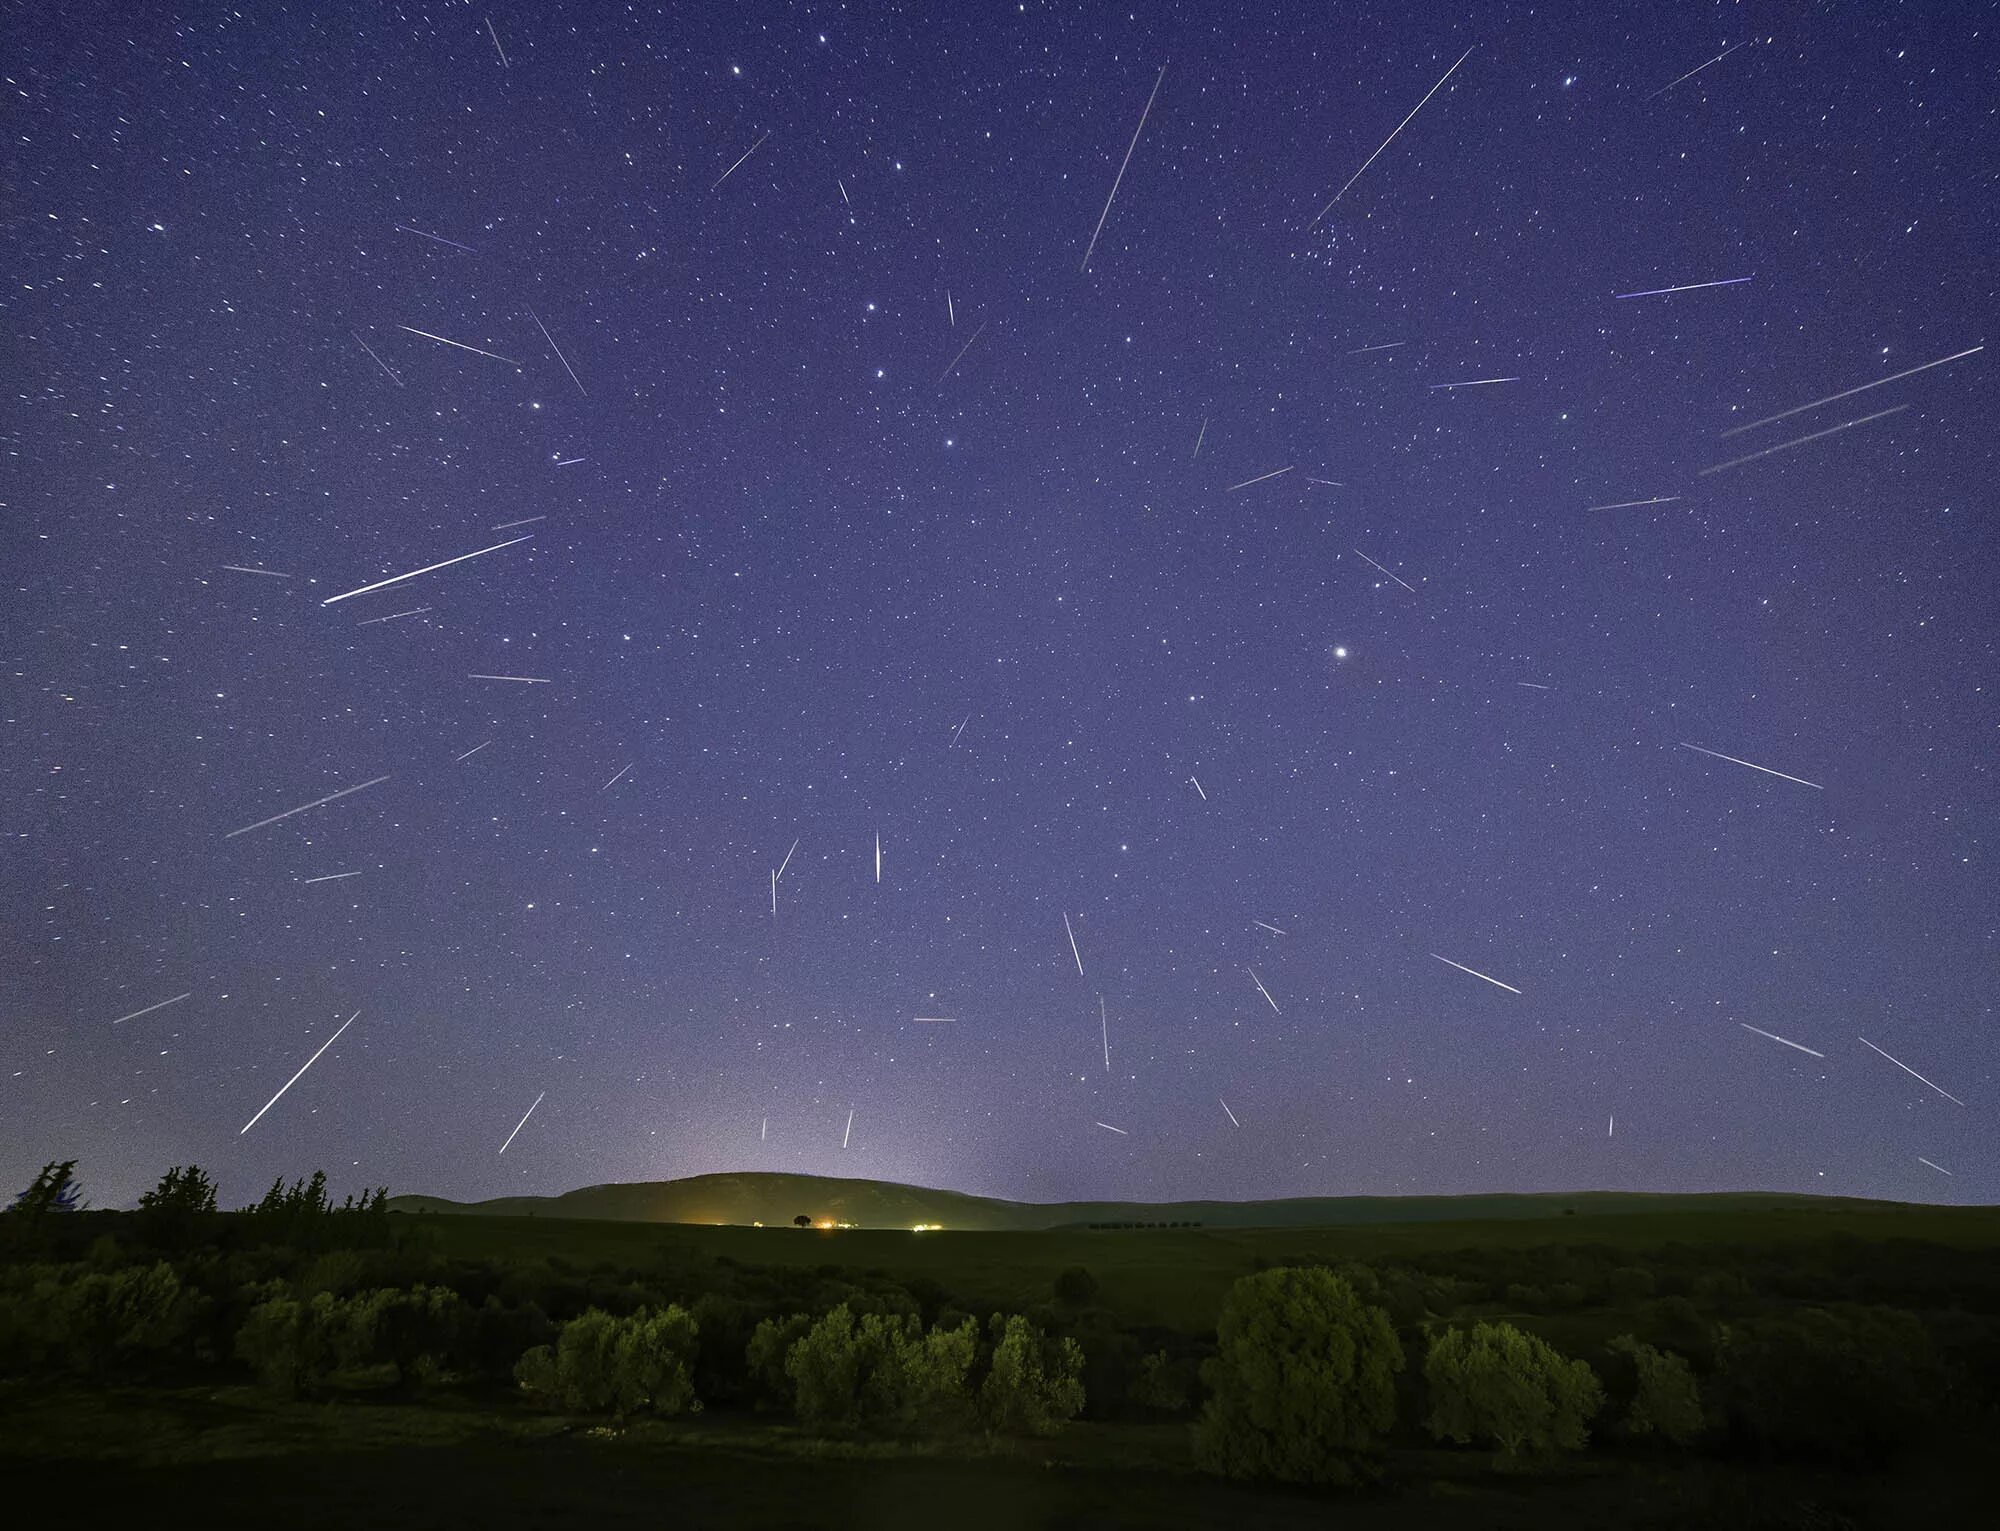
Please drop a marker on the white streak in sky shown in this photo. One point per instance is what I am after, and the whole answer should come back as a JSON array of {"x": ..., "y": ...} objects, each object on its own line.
[
  {"x": 1913, "y": 1073},
  {"x": 522, "y": 1122},
  {"x": 1263, "y": 991},
  {"x": 1654, "y": 292},
  {"x": 1072, "y": 944},
  {"x": 296, "y": 1077},
  {"x": 878, "y": 860},
  {"x": 742, "y": 157},
  {"x": 1227, "y": 1112},
  {"x": 1104, "y": 1031},
  {"x": 959, "y": 730},
  {"x": 504, "y": 65},
  {"x": 850, "y": 1128},
  {"x": 492, "y": 355},
  {"x": 1534, "y": 685},
  {"x": 1938, "y": 1167},
  {"x": 1611, "y": 1126},
  {"x": 1658, "y": 499},
  {"x": 1197, "y": 787},
  {"x": 1786, "y": 446},
  {"x": 1366, "y": 559},
  {"x": 961, "y": 354},
  {"x": 1390, "y": 139},
  {"x": 524, "y": 521},
  {"x": 570, "y": 462},
  {"x": 935, "y": 1020},
  {"x": 1776, "y": 1038},
  {"x": 1698, "y": 69},
  {"x": 378, "y": 360},
  {"x": 1119, "y": 1130},
  {"x": 1387, "y": 345},
  {"x": 330, "y": 877},
  {"x": 1848, "y": 393},
  {"x": 414, "y": 611},
  {"x": 1765, "y": 769},
  {"x": 151, "y": 1008},
  {"x": 763, "y": 1128},
  {"x": 1272, "y": 928},
  {"x": 401, "y": 228},
  {"x": 1477, "y": 382},
  {"x": 1200, "y": 435},
  {"x": 1258, "y": 479},
  {"x": 526, "y": 680},
  {"x": 1476, "y": 974},
  {"x": 383, "y": 584},
  {"x": 1121, "y": 171},
  {"x": 558, "y": 350},
  {"x": 788, "y": 858},
  {"x": 316, "y": 802},
  {"x": 237, "y": 568},
  {"x": 618, "y": 778},
  {"x": 471, "y": 752},
  {"x": 848, "y": 201}
]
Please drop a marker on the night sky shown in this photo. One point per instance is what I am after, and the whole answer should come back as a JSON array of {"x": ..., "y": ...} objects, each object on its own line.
[{"x": 869, "y": 511}]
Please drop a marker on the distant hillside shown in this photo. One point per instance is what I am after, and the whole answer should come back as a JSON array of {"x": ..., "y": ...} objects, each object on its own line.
[{"x": 777, "y": 1199}]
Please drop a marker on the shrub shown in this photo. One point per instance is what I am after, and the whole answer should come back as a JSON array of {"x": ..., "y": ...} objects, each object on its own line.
[
  {"x": 1303, "y": 1381},
  {"x": 770, "y": 1343},
  {"x": 1076, "y": 1287},
  {"x": 1665, "y": 1397},
  {"x": 877, "y": 1370},
  {"x": 1495, "y": 1383},
  {"x": 1163, "y": 1385},
  {"x": 1035, "y": 1386},
  {"x": 602, "y": 1364},
  {"x": 1857, "y": 1383}
]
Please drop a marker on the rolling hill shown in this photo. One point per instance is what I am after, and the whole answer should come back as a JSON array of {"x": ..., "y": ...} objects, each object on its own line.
[{"x": 777, "y": 1199}]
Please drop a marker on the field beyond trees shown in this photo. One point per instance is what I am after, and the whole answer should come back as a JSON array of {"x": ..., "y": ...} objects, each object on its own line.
[{"x": 1691, "y": 1361}]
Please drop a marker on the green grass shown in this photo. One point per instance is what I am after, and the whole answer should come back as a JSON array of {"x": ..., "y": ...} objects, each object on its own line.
[{"x": 1173, "y": 1277}]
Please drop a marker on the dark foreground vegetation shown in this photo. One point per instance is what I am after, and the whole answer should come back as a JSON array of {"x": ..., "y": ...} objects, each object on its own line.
[{"x": 339, "y": 1364}]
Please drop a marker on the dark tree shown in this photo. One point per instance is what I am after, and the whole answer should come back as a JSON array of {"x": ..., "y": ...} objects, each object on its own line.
[
  {"x": 802, "y": 1221},
  {"x": 53, "y": 1190},
  {"x": 188, "y": 1192},
  {"x": 1075, "y": 1287}
]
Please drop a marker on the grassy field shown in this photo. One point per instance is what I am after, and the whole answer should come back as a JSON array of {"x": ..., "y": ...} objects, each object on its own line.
[{"x": 1175, "y": 1278}]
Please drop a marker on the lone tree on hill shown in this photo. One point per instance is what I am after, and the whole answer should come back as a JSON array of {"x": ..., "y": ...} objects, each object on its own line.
[{"x": 802, "y": 1221}]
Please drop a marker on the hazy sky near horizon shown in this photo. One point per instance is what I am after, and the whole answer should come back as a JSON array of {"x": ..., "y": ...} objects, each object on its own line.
[{"x": 1229, "y": 642}]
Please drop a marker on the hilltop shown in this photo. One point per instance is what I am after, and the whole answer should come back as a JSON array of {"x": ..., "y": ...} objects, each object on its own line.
[{"x": 776, "y": 1199}]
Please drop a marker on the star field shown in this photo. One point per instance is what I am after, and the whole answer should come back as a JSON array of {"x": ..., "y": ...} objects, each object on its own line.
[{"x": 1177, "y": 599}]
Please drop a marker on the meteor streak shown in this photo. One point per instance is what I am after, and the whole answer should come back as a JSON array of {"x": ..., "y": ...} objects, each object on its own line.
[
  {"x": 1121, "y": 171},
  {"x": 1776, "y": 1038},
  {"x": 1912, "y": 1072},
  {"x": 1072, "y": 945},
  {"x": 1263, "y": 991},
  {"x": 1476, "y": 974},
  {"x": 1765, "y": 769},
  {"x": 494, "y": 355},
  {"x": 1258, "y": 479},
  {"x": 295, "y": 1078},
  {"x": 1849, "y": 393},
  {"x": 383, "y": 584},
  {"x": 1786, "y": 446},
  {"x": 1390, "y": 139},
  {"x": 316, "y": 802},
  {"x": 1227, "y": 1112},
  {"x": 522, "y": 1122},
  {"x": 151, "y": 1008}
]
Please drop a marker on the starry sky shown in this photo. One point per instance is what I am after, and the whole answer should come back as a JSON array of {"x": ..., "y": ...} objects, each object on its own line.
[{"x": 855, "y": 506}]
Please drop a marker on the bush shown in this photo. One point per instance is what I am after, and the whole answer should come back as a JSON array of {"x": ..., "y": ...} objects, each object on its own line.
[
  {"x": 1162, "y": 1385},
  {"x": 297, "y": 1346},
  {"x": 1076, "y": 1287},
  {"x": 1666, "y": 1400},
  {"x": 1035, "y": 1386},
  {"x": 770, "y": 1344},
  {"x": 119, "y": 1322},
  {"x": 1303, "y": 1382},
  {"x": 880, "y": 1370},
  {"x": 1855, "y": 1383},
  {"x": 602, "y": 1364},
  {"x": 1495, "y": 1383}
]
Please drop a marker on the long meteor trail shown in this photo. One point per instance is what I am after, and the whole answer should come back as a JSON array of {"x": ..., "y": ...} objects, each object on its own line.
[
  {"x": 1773, "y": 1036},
  {"x": 1072, "y": 944},
  {"x": 1259, "y": 478},
  {"x": 151, "y": 1008},
  {"x": 558, "y": 350},
  {"x": 1849, "y": 393},
  {"x": 1264, "y": 991},
  {"x": 1698, "y": 69},
  {"x": 1367, "y": 560},
  {"x": 1912, "y": 1072},
  {"x": 1104, "y": 1030},
  {"x": 1476, "y": 974},
  {"x": 739, "y": 160},
  {"x": 1390, "y": 139},
  {"x": 1654, "y": 292},
  {"x": 1765, "y": 769},
  {"x": 378, "y": 360},
  {"x": 495, "y": 355},
  {"x": 296, "y": 1077},
  {"x": 383, "y": 584},
  {"x": 1227, "y": 1112},
  {"x": 1658, "y": 499},
  {"x": 522, "y": 1122},
  {"x": 316, "y": 802},
  {"x": 1121, "y": 171}
]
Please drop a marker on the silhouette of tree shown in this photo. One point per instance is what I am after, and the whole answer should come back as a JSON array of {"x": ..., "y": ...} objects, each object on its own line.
[
  {"x": 802, "y": 1221},
  {"x": 53, "y": 1190}
]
